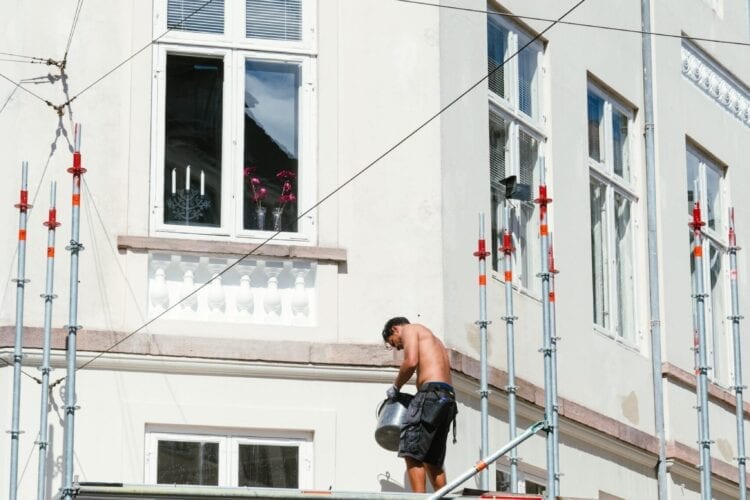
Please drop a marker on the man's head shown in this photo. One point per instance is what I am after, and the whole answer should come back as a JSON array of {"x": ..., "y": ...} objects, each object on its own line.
[{"x": 392, "y": 331}]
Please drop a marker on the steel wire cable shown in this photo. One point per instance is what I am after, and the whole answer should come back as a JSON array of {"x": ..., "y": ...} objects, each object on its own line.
[
  {"x": 129, "y": 58},
  {"x": 579, "y": 24},
  {"x": 76, "y": 16},
  {"x": 334, "y": 191}
]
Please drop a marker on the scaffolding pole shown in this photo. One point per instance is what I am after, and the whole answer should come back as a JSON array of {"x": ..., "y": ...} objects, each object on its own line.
[
  {"x": 481, "y": 254},
  {"x": 738, "y": 387},
  {"x": 547, "y": 348},
  {"x": 75, "y": 247},
  {"x": 510, "y": 319},
  {"x": 15, "y": 432},
  {"x": 553, "y": 329},
  {"x": 48, "y": 297},
  {"x": 485, "y": 462},
  {"x": 704, "y": 440}
]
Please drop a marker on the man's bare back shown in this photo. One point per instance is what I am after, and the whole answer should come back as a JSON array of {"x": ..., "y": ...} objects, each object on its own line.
[
  {"x": 433, "y": 365},
  {"x": 423, "y": 352}
]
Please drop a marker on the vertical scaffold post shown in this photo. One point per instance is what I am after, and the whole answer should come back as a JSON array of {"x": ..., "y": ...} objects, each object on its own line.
[
  {"x": 738, "y": 387},
  {"x": 549, "y": 402},
  {"x": 48, "y": 297},
  {"x": 553, "y": 332},
  {"x": 704, "y": 439},
  {"x": 481, "y": 255},
  {"x": 70, "y": 379},
  {"x": 15, "y": 432},
  {"x": 510, "y": 319}
]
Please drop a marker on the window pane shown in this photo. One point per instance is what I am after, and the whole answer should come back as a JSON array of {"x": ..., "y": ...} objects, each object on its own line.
[
  {"x": 273, "y": 19},
  {"x": 599, "y": 254},
  {"x": 497, "y": 45},
  {"x": 624, "y": 267},
  {"x": 271, "y": 145},
  {"x": 529, "y": 156},
  {"x": 188, "y": 463},
  {"x": 193, "y": 140},
  {"x": 718, "y": 341},
  {"x": 196, "y": 15},
  {"x": 498, "y": 155},
  {"x": 527, "y": 63},
  {"x": 502, "y": 481},
  {"x": 527, "y": 253},
  {"x": 620, "y": 146},
  {"x": 692, "y": 179},
  {"x": 596, "y": 128},
  {"x": 714, "y": 211},
  {"x": 268, "y": 466}
]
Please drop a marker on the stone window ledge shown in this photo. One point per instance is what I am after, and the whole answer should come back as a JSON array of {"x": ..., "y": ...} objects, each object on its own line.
[{"x": 325, "y": 255}]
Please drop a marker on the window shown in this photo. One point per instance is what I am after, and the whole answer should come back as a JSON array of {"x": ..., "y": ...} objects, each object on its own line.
[
  {"x": 234, "y": 107},
  {"x": 526, "y": 484},
  {"x": 705, "y": 176},
  {"x": 613, "y": 200},
  {"x": 516, "y": 135},
  {"x": 229, "y": 460}
]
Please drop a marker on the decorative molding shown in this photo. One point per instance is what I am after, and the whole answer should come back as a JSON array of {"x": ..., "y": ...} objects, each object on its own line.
[
  {"x": 322, "y": 255},
  {"x": 715, "y": 82}
]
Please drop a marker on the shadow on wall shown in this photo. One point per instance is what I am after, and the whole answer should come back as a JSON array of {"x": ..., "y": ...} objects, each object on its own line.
[{"x": 389, "y": 485}]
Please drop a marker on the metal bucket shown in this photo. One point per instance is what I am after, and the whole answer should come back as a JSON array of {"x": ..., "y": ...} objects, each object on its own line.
[{"x": 391, "y": 414}]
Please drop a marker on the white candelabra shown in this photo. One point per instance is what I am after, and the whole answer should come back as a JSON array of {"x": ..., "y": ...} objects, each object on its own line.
[{"x": 186, "y": 203}]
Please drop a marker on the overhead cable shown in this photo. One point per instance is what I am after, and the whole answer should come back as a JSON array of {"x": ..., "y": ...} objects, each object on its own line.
[
  {"x": 76, "y": 16},
  {"x": 582, "y": 25},
  {"x": 334, "y": 191}
]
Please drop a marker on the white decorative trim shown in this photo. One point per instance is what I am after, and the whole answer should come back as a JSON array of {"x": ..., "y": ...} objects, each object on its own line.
[{"x": 716, "y": 83}]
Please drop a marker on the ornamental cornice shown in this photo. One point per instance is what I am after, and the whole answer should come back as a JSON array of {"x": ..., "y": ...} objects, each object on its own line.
[{"x": 716, "y": 83}]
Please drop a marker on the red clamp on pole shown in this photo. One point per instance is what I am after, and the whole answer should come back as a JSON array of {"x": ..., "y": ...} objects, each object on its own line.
[
  {"x": 77, "y": 169},
  {"x": 543, "y": 201},
  {"x": 482, "y": 252},
  {"x": 507, "y": 247},
  {"x": 23, "y": 205},
  {"x": 51, "y": 222}
]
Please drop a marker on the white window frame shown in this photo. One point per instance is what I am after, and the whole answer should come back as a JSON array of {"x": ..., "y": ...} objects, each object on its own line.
[
  {"x": 719, "y": 238},
  {"x": 535, "y": 126},
  {"x": 522, "y": 477},
  {"x": 234, "y": 49},
  {"x": 229, "y": 449},
  {"x": 603, "y": 173}
]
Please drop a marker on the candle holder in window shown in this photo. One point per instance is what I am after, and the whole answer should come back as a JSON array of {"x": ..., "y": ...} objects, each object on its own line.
[{"x": 187, "y": 205}]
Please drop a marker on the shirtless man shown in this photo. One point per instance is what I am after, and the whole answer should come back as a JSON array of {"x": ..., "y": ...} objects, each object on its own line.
[{"x": 430, "y": 413}]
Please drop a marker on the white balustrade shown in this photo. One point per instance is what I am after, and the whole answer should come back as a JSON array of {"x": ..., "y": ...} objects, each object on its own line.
[{"x": 269, "y": 291}]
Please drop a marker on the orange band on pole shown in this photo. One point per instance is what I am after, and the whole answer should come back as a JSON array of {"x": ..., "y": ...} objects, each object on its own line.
[
  {"x": 543, "y": 230},
  {"x": 480, "y": 466},
  {"x": 552, "y": 296},
  {"x": 76, "y": 200},
  {"x": 698, "y": 251},
  {"x": 508, "y": 275},
  {"x": 483, "y": 279},
  {"x": 50, "y": 251},
  {"x": 21, "y": 235}
]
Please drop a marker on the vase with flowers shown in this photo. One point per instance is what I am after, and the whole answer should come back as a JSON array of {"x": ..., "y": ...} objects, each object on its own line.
[
  {"x": 258, "y": 194},
  {"x": 285, "y": 177}
]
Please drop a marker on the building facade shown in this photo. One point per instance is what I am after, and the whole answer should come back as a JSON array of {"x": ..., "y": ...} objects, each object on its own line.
[{"x": 269, "y": 181}]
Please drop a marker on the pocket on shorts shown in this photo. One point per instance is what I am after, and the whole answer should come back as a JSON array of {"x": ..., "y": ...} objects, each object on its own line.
[{"x": 436, "y": 410}]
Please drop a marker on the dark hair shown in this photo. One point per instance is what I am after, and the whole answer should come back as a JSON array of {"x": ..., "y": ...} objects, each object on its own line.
[{"x": 388, "y": 328}]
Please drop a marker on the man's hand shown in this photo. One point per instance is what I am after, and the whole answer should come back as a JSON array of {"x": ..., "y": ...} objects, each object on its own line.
[{"x": 392, "y": 392}]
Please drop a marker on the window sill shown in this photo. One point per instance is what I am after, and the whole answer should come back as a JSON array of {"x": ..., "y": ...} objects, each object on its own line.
[
  {"x": 627, "y": 344},
  {"x": 151, "y": 244}
]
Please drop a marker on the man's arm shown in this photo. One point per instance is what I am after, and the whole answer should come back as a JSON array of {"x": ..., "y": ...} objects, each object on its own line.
[{"x": 410, "y": 337}]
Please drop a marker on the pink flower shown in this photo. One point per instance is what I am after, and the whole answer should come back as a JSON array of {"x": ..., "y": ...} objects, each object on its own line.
[
  {"x": 287, "y": 195},
  {"x": 255, "y": 181}
]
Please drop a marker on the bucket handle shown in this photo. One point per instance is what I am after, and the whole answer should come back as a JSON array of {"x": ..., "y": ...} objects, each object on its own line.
[{"x": 380, "y": 407}]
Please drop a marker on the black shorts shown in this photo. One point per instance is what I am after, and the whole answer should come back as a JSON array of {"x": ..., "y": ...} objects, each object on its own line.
[{"x": 427, "y": 422}]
